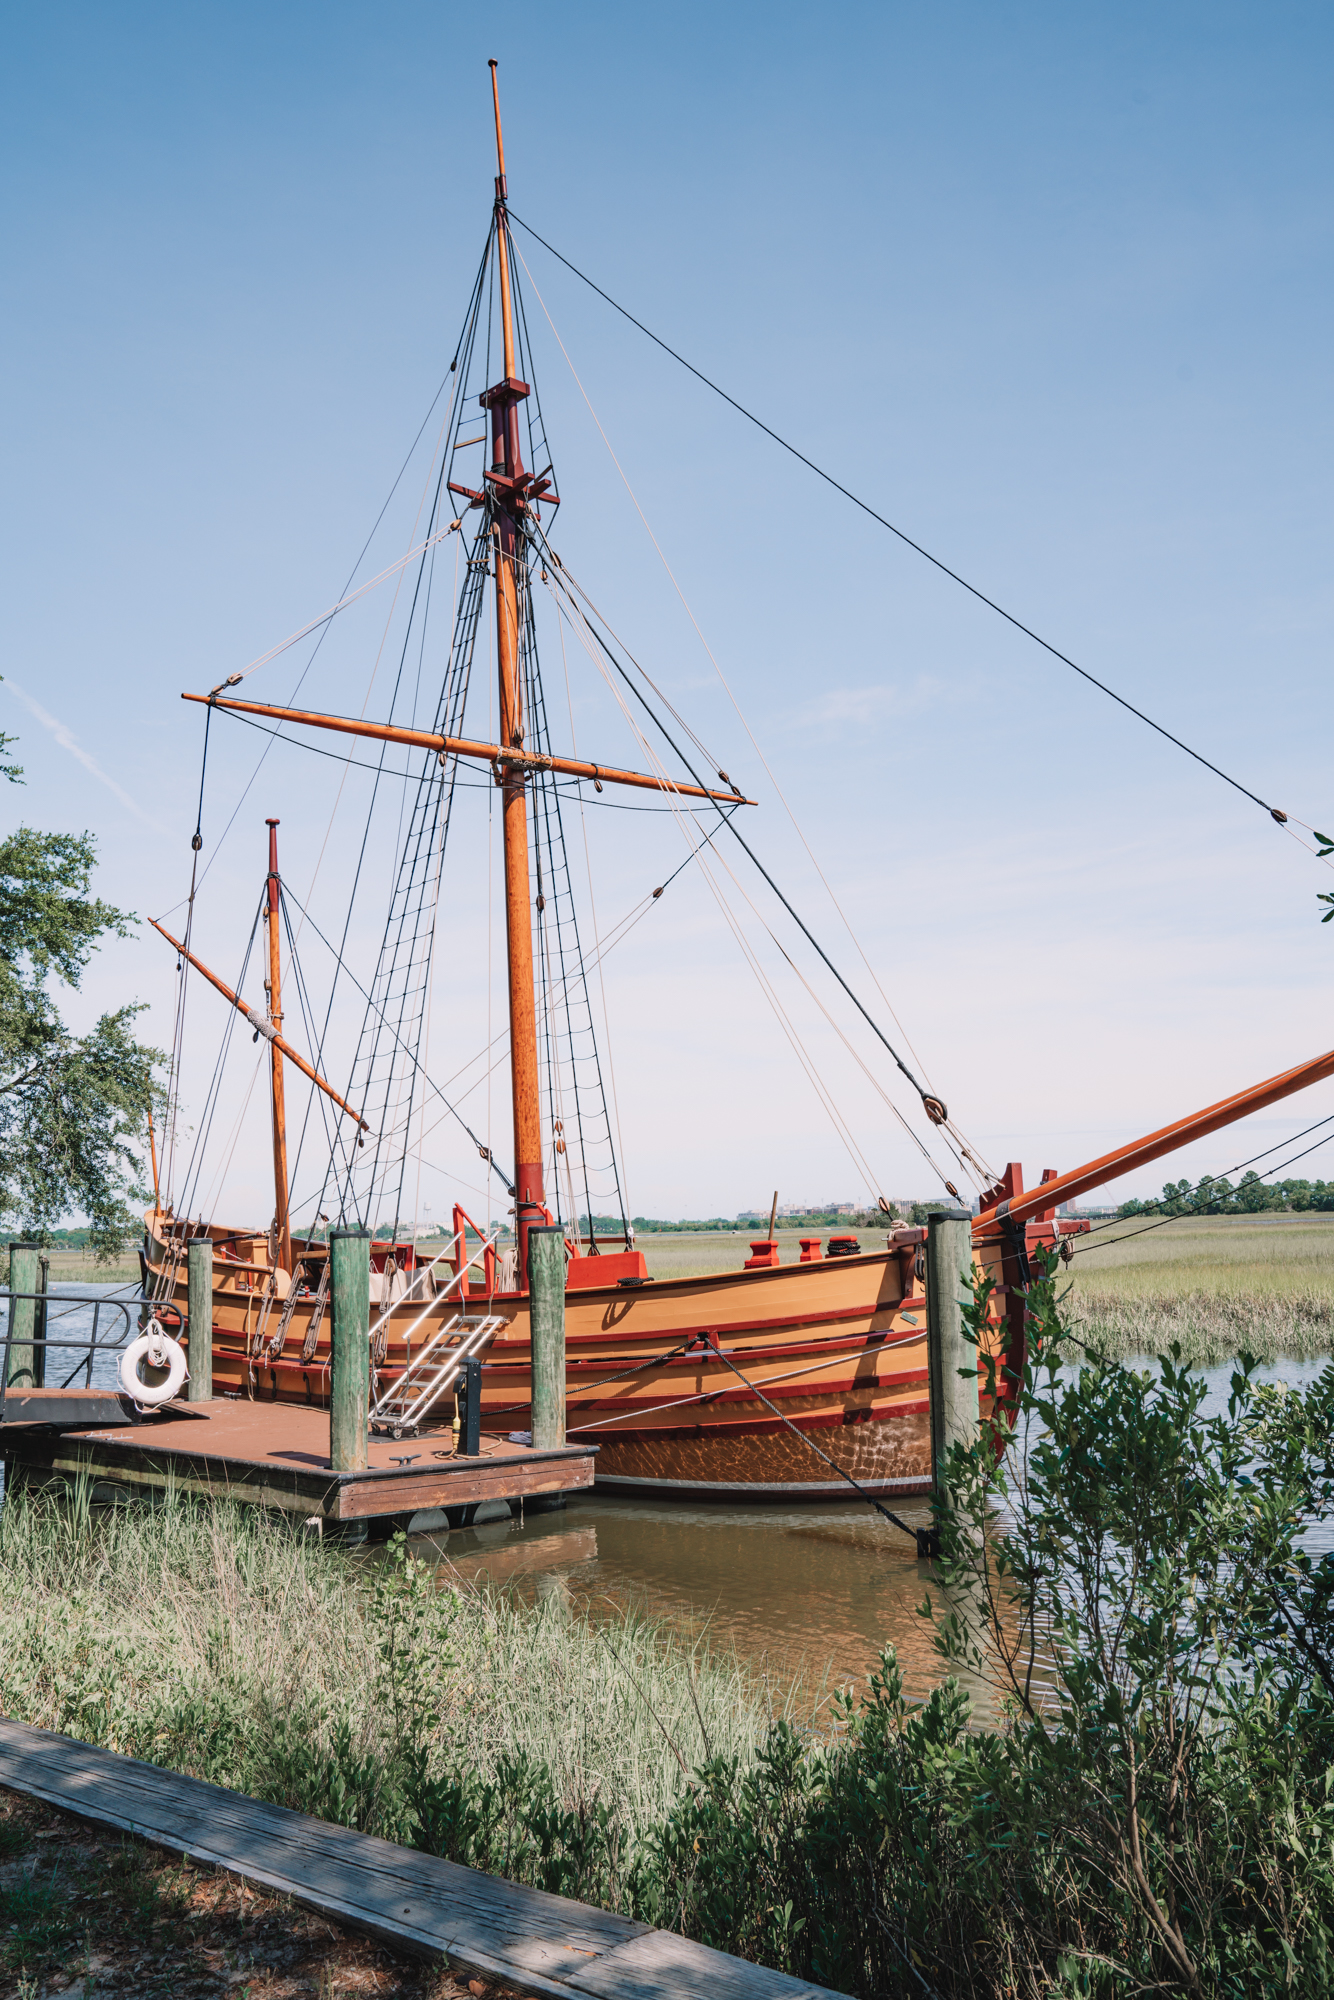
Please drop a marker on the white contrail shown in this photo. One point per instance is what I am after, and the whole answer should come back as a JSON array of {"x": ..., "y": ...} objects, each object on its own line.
[{"x": 67, "y": 741}]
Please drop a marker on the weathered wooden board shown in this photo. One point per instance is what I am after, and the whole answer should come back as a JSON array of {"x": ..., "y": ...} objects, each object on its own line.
[{"x": 546, "y": 1944}]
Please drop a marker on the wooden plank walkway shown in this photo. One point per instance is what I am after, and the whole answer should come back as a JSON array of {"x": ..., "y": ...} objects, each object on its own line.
[
  {"x": 277, "y": 1455},
  {"x": 546, "y": 1944}
]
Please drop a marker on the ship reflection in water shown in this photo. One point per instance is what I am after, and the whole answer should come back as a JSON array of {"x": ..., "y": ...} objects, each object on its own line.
[{"x": 807, "y": 1594}]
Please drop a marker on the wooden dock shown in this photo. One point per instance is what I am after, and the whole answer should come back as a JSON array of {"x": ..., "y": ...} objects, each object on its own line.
[
  {"x": 277, "y": 1455},
  {"x": 544, "y": 1944}
]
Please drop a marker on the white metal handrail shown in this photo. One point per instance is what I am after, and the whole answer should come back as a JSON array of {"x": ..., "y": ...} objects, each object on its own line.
[{"x": 424, "y": 1271}]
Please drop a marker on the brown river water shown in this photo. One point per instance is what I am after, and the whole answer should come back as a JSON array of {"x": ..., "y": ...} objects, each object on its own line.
[{"x": 806, "y": 1594}]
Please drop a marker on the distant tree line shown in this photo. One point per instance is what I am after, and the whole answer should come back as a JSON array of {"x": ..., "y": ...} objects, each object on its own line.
[
  {"x": 1251, "y": 1196},
  {"x": 68, "y": 1239},
  {"x": 752, "y": 1220}
]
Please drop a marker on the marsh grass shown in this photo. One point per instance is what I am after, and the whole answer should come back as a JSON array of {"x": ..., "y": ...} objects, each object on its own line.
[
  {"x": 80, "y": 1267},
  {"x": 223, "y": 1644},
  {"x": 1215, "y": 1285}
]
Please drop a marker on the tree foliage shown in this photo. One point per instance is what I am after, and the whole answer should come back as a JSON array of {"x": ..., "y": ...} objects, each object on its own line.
[
  {"x": 72, "y": 1108},
  {"x": 1215, "y": 1195}
]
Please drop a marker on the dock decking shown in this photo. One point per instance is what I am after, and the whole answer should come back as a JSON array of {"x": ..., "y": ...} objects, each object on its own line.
[
  {"x": 546, "y": 1944},
  {"x": 277, "y": 1455}
]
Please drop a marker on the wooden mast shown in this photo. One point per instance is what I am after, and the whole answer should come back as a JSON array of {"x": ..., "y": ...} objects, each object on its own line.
[
  {"x": 507, "y": 483},
  {"x": 282, "y": 1220}
]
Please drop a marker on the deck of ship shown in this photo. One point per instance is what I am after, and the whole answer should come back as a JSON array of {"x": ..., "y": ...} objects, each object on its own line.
[{"x": 277, "y": 1455}]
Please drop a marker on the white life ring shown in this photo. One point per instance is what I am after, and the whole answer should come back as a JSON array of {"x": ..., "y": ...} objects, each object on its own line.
[{"x": 163, "y": 1357}]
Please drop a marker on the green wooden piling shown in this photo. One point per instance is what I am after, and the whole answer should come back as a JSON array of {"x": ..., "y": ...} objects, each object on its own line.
[
  {"x": 24, "y": 1364},
  {"x": 39, "y": 1323},
  {"x": 546, "y": 1313},
  {"x": 350, "y": 1375},
  {"x": 949, "y": 1348},
  {"x": 199, "y": 1256}
]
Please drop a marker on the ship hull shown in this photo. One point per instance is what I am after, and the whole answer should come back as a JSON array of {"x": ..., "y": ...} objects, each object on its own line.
[{"x": 775, "y": 1384}]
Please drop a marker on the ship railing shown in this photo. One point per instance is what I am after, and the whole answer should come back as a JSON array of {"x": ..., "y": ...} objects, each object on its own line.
[
  {"x": 49, "y": 1309},
  {"x": 423, "y": 1272}
]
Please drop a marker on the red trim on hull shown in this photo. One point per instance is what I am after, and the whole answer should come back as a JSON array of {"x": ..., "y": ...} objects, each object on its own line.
[{"x": 817, "y": 1420}]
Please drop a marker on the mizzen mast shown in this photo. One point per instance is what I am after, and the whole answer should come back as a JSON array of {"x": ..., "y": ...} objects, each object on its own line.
[
  {"x": 507, "y": 484},
  {"x": 282, "y": 1225}
]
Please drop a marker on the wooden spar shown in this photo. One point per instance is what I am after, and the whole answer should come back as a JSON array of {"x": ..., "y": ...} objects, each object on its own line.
[
  {"x": 502, "y": 402},
  {"x": 265, "y": 1028},
  {"x": 1167, "y": 1139},
  {"x": 461, "y": 746},
  {"x": 282, "y": 1221},
  {"x": 152, "y": 1152},
  {"x": 502, "y": 242}
]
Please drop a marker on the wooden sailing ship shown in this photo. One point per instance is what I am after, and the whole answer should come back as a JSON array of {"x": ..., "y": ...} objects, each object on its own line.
[{"x": 769, "y": 1381}]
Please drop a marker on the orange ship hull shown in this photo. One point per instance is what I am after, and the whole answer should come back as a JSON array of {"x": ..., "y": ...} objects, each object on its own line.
[{"x": 838, "y": 1346}]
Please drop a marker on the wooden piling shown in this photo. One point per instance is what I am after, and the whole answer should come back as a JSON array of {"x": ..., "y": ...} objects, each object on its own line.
[
  {"x": 24, "y": 1362},
  {"x": 39, "y": 1322},
  {"x": 350, "y": 1373},
  {"x": 199, "y": 1260},
  {"x": 951, "y": 1354},
  {"x": 546, "y": 1309}
]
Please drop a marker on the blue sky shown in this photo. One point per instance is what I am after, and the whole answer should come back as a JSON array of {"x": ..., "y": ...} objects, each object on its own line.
[{"x": 1050, "y": 287}]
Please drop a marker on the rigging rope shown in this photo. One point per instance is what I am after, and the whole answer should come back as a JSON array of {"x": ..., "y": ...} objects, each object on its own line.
[
  {"x": 484, "y": 1151},
  {"x": 1204, "y": 1215},
  {"x": 592, "y": 904},
  {"x": 766, "y": 985},
  {"x": 1275, "y": 812},
  {"x": 933, "y": 1107}
]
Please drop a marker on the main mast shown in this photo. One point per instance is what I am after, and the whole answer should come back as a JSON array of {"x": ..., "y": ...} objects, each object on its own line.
[
  {"x": 282, "y": 1221},
  {"x": 506, "y": 483}
]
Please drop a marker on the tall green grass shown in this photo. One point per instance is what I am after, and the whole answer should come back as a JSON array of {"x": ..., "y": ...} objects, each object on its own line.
[
  {"x": 1207, "y": 1327},
  {"x": 223, "y": 1644}
]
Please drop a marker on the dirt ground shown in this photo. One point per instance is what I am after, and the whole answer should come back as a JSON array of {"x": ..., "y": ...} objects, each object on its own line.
[{"x": 92, "y": 1915}]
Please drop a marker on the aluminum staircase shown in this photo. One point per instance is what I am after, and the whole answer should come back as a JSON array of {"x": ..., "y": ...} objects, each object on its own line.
[{"x": 431, "y": 1373}]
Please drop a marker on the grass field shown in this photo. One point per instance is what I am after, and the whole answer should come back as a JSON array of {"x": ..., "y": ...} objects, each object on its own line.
[
  {"x": 1214, "y": 1284},
  {"x": 692, "y": 1254},
  {"x": 76, "y": 1267}
]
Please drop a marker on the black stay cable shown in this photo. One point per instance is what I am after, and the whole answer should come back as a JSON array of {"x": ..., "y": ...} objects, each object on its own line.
[
  {"x": 1207, "y": 1215},
  {"x": 934, "y": 1108},
  {"x": 1274, "y": 811},
  {"x": 197, "y": 839}
]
